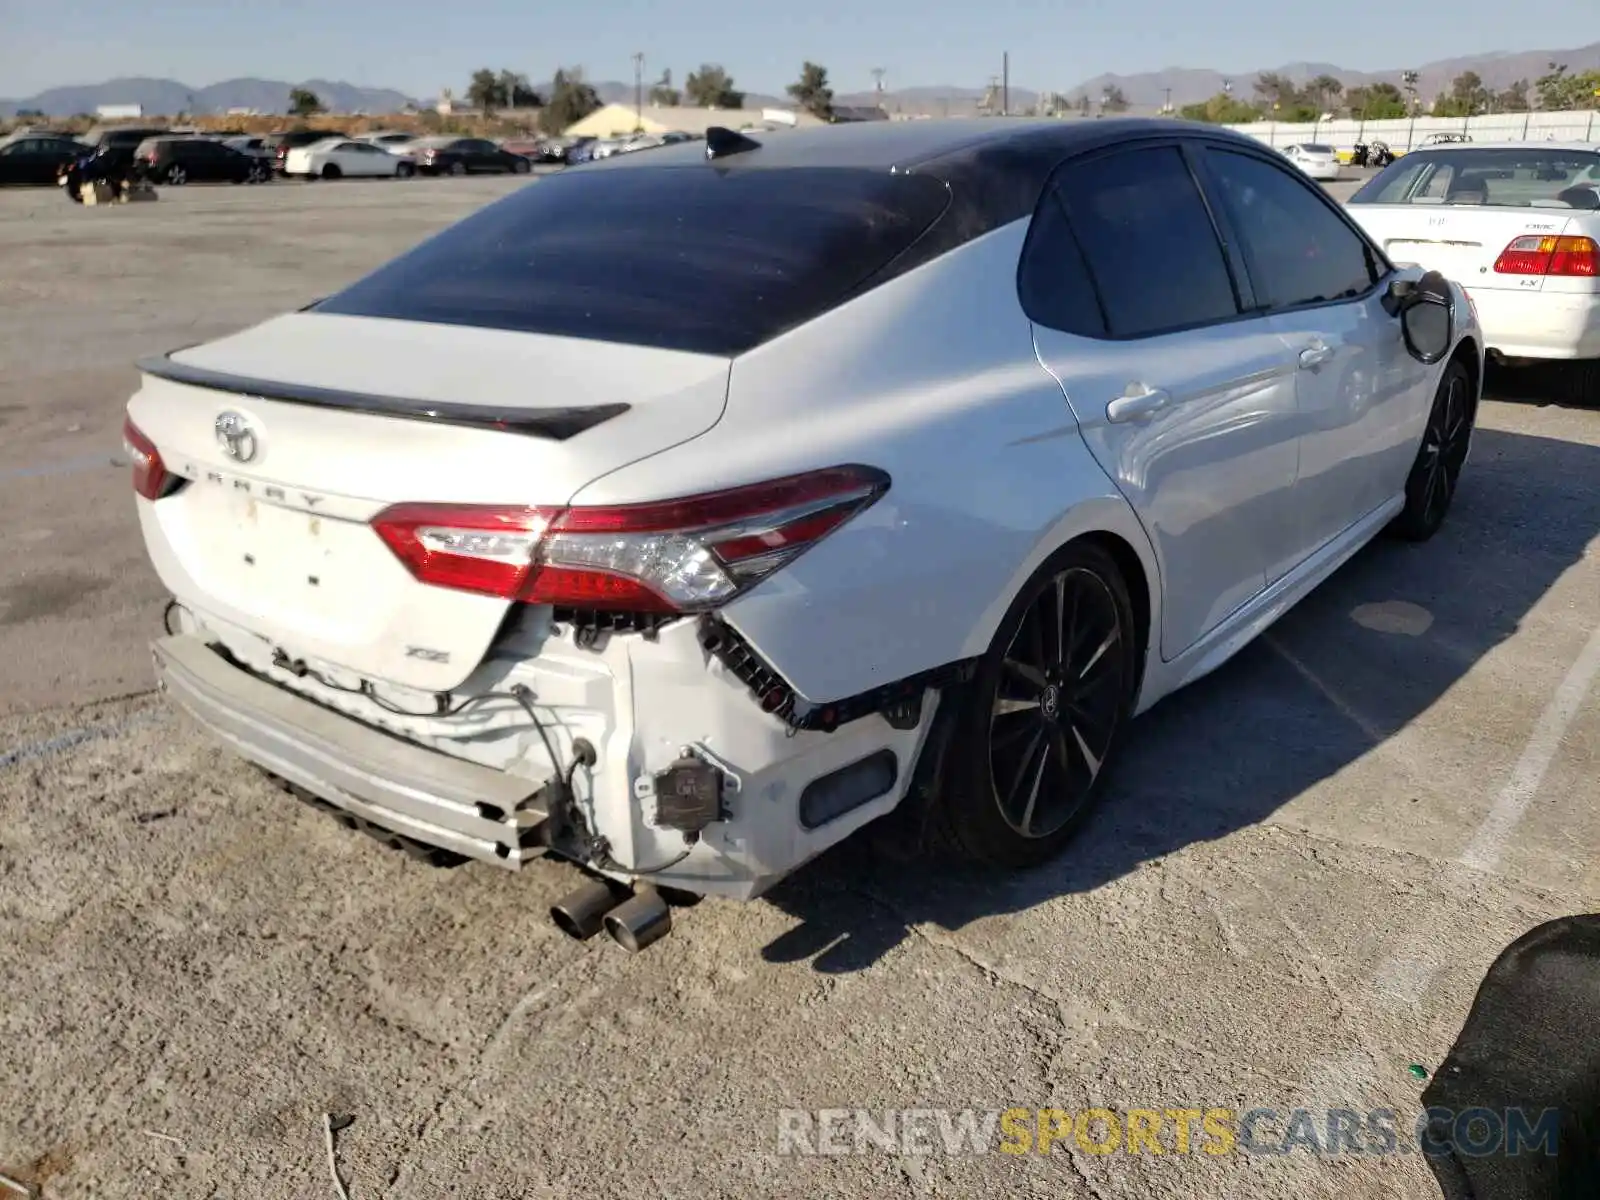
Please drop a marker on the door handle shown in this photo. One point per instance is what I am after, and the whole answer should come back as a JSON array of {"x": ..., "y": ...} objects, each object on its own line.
[
  {"x": 1314, "y": 356},
  {"x": 1139, "y": 407}
]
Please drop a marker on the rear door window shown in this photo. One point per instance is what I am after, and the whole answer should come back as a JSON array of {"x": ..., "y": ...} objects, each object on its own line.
[
  {"x": 1054, "y": 283},
  {"x": 1149, "y": 242},
  {"x": 1299, "y": 250},
  {"x": 683, "y": 257}
]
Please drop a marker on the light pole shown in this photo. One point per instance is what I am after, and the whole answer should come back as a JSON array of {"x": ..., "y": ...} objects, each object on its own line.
[
  {"x": 877, "y": 84},
  {"x": 638, "y": 92},
  {"x": 1409, "y": 78},
  {"x": 1166, "y": 107}
]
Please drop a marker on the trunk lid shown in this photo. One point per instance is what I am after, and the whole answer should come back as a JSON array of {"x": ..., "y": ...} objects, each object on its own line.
[
  {"x": 1460, "y": 241},
  {"x": 274, "y": 537}
]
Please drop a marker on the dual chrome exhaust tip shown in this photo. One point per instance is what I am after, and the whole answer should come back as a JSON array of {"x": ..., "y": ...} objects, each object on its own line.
[{"x": 635, "y": 918}]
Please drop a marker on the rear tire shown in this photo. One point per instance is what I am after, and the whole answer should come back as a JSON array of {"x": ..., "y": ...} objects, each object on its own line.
[
  {"x": 1033, "y": 735},
  {"x": 1583, "y": 386},
  {"x": 520, "y": 168},
  {"x": 1431, "y": 486},
  {"x": 331, "y": 172},
  {"x": 404, "y": 171}
]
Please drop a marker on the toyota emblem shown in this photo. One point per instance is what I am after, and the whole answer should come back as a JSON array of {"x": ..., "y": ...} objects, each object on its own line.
[{"x": 237, "y": 439}]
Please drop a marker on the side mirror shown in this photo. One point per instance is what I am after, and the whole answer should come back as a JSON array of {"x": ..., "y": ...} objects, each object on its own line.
[{"x": 1427, "y": 311}]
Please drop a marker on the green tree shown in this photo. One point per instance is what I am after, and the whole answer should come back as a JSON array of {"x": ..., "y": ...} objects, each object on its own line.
[
  {"x": 1467, "y": 97},
  {"x": 1375, "y": 102},
  {"x": 1113, "y": 101},
  {"x": 1221, "y": 109},
  {"x": 811, "y": 91},
  {"x": 516, "y": 92},
  {"x": 712, "y": 87},
  {"x": 1276, "y": 92},
  {"x": 570, "y": 101},
  {"x": 303, "y": 102},
  {"x": 1559, "y": 91},
  {"x": 1323, "y": 93},
  {"x": 484, "y": 91},
  {"x": 1514, "y": 98},
  {"x": 663, "y": 94}
]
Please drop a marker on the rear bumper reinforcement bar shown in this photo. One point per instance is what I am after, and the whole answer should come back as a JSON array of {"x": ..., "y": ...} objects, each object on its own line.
[{"x": 418, "y": 793}]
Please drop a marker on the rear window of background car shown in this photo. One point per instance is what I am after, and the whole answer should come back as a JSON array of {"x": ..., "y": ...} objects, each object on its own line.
[{"x": 1517, "y": 177}]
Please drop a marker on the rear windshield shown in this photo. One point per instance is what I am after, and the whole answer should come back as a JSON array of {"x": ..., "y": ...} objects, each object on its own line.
[
  {"x": 682, "y": 257},
  {"x": 1315, "y": 149},
  {"x": 1515, "y": 177}
]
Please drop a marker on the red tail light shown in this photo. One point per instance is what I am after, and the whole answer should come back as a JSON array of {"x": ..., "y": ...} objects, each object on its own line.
[
  {"x": 673, "y": 556},
  {"x": 1535, "y": 255},
  {"x": 151, "y": 478}
]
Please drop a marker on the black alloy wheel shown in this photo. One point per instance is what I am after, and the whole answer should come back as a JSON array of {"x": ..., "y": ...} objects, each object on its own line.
[
  {"x": 1027, "y": 749},
  {"x": 1431, "y": 486},
  {"x": 1058, "y": 705}
]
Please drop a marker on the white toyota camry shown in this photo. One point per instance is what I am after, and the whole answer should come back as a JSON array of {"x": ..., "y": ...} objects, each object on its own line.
[
  {"x": 1316, "y": 160},
  {"x": 682, "y": 514},
  {"x": 339, "y": 158},
  {"x": 1518, "y": 225}
]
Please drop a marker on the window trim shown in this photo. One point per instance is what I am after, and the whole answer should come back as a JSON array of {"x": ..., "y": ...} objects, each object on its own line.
[
  {"x": 1380, "y": 260},
  {"x": 1239, "y": 281}
]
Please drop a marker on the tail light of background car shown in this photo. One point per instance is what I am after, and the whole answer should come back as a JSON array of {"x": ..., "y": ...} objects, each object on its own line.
[
  {"x": 672, "y": 556},
  {"x": 151, "y": 479},
  {"x": 1547, "y": 255}
]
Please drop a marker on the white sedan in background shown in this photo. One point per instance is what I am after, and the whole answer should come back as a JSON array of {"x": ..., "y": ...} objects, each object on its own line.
[
  {"x": 1517, "y": 225},
  {"x": 394, "y": 143},
  {"x": 339, "y": 158},
  {"x": 1316, "y": 160}
]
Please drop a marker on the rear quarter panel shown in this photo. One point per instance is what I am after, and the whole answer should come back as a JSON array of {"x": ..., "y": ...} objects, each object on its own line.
[{"x": 933, "y": 378}]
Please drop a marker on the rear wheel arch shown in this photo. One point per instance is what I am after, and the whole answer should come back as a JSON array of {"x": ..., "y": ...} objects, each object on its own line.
[
  {"x": 1470, "y": 355},
  {"x": 1109, "y": 522},
  {"x": 1135, "y": 578}
]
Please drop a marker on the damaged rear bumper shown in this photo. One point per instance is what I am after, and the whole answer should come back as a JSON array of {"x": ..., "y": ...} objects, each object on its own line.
[{"x": 417, "y": 793}]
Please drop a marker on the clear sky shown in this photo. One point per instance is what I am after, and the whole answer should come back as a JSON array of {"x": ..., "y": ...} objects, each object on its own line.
[{"x": 419, "y": 46}]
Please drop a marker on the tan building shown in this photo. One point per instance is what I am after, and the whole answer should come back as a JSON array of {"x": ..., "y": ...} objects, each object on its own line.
[{"x": 619, "y": 120}]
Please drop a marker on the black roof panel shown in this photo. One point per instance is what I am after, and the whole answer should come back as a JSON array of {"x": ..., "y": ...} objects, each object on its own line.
[{"x": 901, "y": 145}]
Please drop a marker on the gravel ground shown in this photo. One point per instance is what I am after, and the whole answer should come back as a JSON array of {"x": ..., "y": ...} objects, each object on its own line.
[{"x": 1306, "y": 864}]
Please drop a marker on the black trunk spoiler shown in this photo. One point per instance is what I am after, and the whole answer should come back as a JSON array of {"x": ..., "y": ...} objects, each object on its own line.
[{"x": 555, "y": 424}]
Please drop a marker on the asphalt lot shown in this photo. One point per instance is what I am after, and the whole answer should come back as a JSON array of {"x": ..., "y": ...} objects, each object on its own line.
[{"x": 1306, "y": 865}]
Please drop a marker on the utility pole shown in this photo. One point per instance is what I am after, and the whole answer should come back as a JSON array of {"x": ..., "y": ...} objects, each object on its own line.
[
  {"x": 638, "y": 91},
  {"x": 877, "y": 84},
  {"x": 1005, "y": 84},
  {"x": 1166, "y": 108}
]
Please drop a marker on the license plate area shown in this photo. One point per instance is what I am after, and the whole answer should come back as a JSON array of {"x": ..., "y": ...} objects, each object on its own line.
[{"x": 282, "y": 561}]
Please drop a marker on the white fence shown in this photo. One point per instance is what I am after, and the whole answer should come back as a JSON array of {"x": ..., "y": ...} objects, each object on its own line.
[{"x": 1405, "y": 133}]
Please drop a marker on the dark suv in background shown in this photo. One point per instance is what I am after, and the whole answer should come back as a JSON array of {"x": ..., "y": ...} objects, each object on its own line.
[
  {"x": 118, "y": 143},
  {"x": 180, "y": 160}
]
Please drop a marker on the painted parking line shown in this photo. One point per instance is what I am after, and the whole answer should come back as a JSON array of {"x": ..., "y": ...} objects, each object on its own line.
[{"x": 1404, "y": 980}]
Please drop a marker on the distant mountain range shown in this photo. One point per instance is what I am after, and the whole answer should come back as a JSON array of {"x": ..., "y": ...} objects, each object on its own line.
[
  {"x": 168, "y": 97},
  {"x": 1143, "y": 91}
]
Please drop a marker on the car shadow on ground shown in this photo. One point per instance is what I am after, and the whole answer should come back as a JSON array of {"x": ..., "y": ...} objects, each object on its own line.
[{"x": 1388, "y": 635}]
